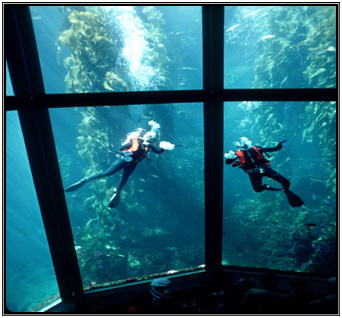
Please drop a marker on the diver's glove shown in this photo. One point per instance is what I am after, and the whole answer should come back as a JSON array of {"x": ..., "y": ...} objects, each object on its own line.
[
  {"x": 283, "y": 141},
  {"x": 230, "y": 155},
  {"x": 166, "y": 145}
]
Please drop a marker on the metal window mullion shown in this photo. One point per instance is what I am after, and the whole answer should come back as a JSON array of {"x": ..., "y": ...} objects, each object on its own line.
[
  {"x": 166, "y": 97},
  {"x": 37, "y": 133},
  {"x": 24, "y": 67},
  {"x": 213, "y": 23}
]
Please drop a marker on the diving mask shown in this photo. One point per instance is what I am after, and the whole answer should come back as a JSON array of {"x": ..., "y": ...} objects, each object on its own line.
[{"x": 243, "y": 143}]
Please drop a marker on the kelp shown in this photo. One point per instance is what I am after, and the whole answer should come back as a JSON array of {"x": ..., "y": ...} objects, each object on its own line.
[
  {"x": 159, "y": 43},
  {"x": 296, "y": 48},
  {"x": 303, "y": 41},
  {"x": 280, "y": 237},
  {"x": 321, "y": 44},
  {"x": 96, "y": 43},
  {"x": 107, "y": 245},
  {"x": 107, "y": 227},
  {"x": 94, "y": 51}
]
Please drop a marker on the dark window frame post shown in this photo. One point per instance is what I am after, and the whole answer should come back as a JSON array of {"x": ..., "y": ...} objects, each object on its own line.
[
  {"x": 213, "y": 26},
  {"x": 27, "y": 82}
]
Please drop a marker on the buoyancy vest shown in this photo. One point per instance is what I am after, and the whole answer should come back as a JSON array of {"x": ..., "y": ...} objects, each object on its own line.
[
  {"x": 259, "y": 158},
  {"x": 135, "y": 147}
]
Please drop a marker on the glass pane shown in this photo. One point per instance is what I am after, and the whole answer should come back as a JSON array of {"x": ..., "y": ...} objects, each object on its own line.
[
  {"x": 266, "y": 230},
  {"x": 158, "y": 225},
  {"x": 9, "y": 88},
  {"x": 119, "y": 48},
  {"x": 280, "y": 47},
  {"x": 30, "y": 277}
]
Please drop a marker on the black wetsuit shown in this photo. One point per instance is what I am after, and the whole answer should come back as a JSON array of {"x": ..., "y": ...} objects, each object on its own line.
[
  {"x": 257, "y": 169},
  {"x": 128, "y": 167}
]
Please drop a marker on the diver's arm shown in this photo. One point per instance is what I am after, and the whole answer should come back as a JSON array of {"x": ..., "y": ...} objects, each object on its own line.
[
  {"x": 126, "y": 146},
  {"x": 154, "y": 149},
  {"x": 272, "y": 149},
  {"x": 123, "y": 147},
  {"x": 230, "y": 161}
]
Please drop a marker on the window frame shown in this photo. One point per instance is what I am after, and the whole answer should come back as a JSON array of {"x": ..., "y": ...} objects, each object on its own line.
[{"x": 32, "y": 104}]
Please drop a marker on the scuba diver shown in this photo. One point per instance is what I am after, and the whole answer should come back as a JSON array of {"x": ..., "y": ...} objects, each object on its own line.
[
  {"x": 252, "y": 161},
  {"x": 134, "y": 149}
]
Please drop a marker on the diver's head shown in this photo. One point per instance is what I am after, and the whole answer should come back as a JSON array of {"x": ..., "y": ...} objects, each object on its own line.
[
  {"x": 159, "y": 286},
  {"x": 154, "y": 126},
  {"x": 243, "y": 143},
  {"x": 141, "y": 131},
  {"x": 149, "y": 137},
  {"x": 135, "y": 134},
  {"x": 160, "y": 282}
]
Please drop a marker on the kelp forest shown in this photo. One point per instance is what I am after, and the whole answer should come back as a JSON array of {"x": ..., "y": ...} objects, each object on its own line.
[
  {"x": 134, "y": 239},
  {"x": 296, "y": 49},
  {"x": 159, "y": 225}
]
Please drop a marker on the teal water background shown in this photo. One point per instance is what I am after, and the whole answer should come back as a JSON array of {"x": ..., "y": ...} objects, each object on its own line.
[{"x": 159, "y": 225}]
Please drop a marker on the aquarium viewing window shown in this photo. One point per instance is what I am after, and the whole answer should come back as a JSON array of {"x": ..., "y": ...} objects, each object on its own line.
[
  {"x": 294, "y": 239},
  {"x": 27, "y": 251},
  {"x": 141, "y": 236},
  {"x": 209, "y": 78},
  {"x": 9, "y": 89},
  {"x": 280, "y": 47},
  {"x": 130, "y": 48}
]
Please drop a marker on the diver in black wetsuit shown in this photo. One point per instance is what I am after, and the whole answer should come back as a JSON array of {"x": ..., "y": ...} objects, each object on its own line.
[
  {"x": 130, "y": 154},
  {"x": 253, "y": 162}
]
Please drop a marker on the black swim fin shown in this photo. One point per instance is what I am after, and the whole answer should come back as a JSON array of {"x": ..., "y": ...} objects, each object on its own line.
[
  {"x": 294, "y": 199},
  {"x": 114, "y": 201},
  {"x": 76, "y": 185}
]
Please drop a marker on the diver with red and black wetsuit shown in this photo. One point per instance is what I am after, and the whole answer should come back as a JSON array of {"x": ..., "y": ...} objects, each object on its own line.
[
  {"x": 134, "y": 150},
  {"x": 252, "y": 161}
]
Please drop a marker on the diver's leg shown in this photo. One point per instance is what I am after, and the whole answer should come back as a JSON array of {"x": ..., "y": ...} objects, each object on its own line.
[
  {"x": 256, "y": 179},
  {"x": 128, "y": 170},
  {"x": 115, "y": 167},
  {"x": 115, "y": 199},
  {"x": 279, "y": 178},
  {"x": 293, "y": 198}
]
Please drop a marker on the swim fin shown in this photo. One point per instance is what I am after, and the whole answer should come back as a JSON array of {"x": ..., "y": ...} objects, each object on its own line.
[
  {"x": 114, "y": 201},
  {"x": 76, "y": 185},
  {"x": 294, "y": 199}
]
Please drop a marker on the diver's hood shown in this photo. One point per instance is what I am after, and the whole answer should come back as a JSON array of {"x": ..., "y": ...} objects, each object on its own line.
[
  {"x": 140, "y": 130},
  {"x": 244, "y": 143},
  {"x": 150, "y": 136},
  {"x": 133, "y": 134}
]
